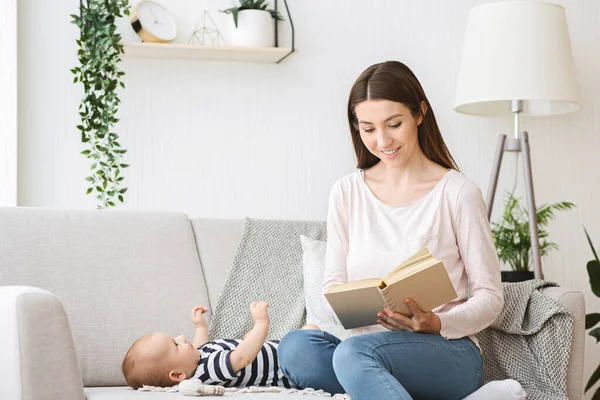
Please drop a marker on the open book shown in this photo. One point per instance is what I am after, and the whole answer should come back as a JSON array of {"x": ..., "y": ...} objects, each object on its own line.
[{"x": 421, "y": 277}]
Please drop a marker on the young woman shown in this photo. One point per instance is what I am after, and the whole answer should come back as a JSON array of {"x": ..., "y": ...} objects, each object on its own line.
[{"x": 406, "y": 194}]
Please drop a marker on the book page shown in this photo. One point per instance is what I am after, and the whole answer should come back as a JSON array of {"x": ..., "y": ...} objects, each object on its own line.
[
  {"x": 400, "y": 274},
  {"x": 363, "y": 283}
]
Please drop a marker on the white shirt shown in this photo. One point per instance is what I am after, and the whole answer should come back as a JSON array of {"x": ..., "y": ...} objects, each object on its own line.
[{"x": 367, "y": 238}]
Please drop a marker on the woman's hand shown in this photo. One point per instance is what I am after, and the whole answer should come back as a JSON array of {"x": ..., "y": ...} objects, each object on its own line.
[{"x": 421, "y": 322}]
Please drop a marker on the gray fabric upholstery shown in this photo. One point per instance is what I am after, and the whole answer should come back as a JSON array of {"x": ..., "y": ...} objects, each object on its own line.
[
  {"x": 35, "y": 328},
  {"x": 573, "y": 302},
  {"x": 118, "y": 274},
  {"x": 217, "y": 241}
]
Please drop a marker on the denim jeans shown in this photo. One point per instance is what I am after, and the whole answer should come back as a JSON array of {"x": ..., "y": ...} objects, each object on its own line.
[{"x": 387, "y": 365}]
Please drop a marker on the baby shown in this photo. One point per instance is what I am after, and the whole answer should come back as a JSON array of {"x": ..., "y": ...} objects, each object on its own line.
[{"x": 157, "y": 359}]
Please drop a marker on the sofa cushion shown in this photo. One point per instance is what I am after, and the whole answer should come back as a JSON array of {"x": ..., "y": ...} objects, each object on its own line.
[
  {"x": 118, "y": 274},
  {"x": 313, "y": 262}
]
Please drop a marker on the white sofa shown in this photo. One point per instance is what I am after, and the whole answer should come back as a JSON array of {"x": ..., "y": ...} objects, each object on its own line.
[{"x": 78, "y": 287}]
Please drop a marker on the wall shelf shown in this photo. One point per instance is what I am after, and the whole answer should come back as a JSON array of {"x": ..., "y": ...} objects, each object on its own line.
[{"x": 200, "y": 52}]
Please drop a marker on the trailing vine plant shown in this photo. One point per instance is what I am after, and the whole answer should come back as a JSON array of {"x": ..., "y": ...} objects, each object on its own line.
[{"x": 99, "y": 54}]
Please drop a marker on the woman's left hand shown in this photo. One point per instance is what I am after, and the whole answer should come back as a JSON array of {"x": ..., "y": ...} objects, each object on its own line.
[{"x": 421, "y": 321}]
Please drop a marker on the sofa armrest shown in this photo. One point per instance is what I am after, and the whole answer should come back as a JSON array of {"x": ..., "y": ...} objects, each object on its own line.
[
  {"x": 572, "y": 301},
  {"x": 38, "y": 356}
]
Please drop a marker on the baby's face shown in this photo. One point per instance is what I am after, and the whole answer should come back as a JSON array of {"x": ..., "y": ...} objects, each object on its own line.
[{"x": 176, "y": 352}]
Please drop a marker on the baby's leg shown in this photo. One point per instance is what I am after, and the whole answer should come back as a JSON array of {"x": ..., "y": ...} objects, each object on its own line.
[{"x": 311, "y": 326}]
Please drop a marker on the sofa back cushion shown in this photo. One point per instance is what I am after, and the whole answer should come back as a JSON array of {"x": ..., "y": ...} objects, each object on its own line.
[
  {"x": 217, "y": 241},
  {"x": 118, "y": 274}
]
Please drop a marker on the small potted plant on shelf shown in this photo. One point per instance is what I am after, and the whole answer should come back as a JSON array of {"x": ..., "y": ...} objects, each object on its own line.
[
  {"x": 513, "y": 240},
  {"x": 252, "y": 24}
]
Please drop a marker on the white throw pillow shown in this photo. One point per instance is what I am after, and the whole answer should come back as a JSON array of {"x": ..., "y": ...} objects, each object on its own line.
[{"x": 313, "y": 260}]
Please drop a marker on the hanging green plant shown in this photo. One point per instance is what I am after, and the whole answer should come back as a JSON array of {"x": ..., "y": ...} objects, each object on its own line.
[{"x": 99, "y": 55}]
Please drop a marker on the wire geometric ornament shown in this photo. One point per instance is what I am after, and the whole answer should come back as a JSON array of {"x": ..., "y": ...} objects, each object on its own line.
[{"x": 205, "y": 34}]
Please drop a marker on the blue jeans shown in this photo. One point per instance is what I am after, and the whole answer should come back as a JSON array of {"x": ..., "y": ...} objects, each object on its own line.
[{"x": 387, "y": 365}]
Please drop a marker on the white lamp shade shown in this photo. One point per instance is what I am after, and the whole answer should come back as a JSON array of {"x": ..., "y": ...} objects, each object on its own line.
[{"x": 518, "y": 50}]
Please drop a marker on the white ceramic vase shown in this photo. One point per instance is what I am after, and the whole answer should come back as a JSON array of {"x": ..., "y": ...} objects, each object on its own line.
[{"x": 255, "y": 29}]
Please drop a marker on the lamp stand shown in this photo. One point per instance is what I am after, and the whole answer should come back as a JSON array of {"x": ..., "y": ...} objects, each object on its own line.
[{"x": 518, "y": 144}]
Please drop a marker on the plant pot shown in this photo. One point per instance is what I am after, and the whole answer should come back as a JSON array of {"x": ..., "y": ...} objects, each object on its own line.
[
  {"x": 254, "y": 29},
  {"x": 516, "y": 276}
]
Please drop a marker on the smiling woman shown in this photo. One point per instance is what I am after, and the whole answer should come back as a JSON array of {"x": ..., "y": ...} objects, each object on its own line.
[
  {"x": 406, "y": 195},
  {"x": 8, "y": 103}
]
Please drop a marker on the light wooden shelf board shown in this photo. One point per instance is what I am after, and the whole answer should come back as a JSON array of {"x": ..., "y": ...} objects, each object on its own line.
[{"x": 200, "y": 52}]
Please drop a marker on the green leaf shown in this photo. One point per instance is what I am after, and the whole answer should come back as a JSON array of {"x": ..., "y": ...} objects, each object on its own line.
[
  {"x": 591, "y": 245},
  {"x": 593, "y": 379},
  {"x": 593, "y": 268},
  {"x": 89, "y": 190},
  {"x": 85, "y": 152},
  {"x": 591, "y": 320},
  {"x": 596, "y": 334},
  {"x": 122, "y": 191},
  {"x": 235, "y": 12},
  {"x": 93, "y": 166},
  {"x": 110, "y": 203},
  {"x": 99, "y": 189},
  {"x": 89, "y": 179},
  {"x": 124, "y": 165},
  {"x": 121, "y": 199}
]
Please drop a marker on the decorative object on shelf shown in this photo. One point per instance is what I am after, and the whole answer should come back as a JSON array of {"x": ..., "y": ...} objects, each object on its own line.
[
  {"x": 207, "y": 34},
  {"x": 512, "y": 236},
  {"x": 517, "y": 58},
  {"x": 252, "y": 24},
  {"x": 99, "y": 55},
  {"x": 153, "y": 23},
  {"x": 592, "y": 319}
]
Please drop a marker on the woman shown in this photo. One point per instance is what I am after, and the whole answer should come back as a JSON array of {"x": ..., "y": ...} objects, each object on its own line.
[{"x": 407, "y": 194}]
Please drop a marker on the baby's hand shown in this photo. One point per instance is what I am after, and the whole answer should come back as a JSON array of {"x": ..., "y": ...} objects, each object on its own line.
[
  {"x": 198, "y": 316},
  {"x": 259, "y": 311}
]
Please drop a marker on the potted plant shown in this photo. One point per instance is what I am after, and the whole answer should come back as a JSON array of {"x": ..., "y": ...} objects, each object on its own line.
[
  {"x": 592, "y": 319},
  {"x": 252, "y": 24},
  {"x": 513, "y": 240}
]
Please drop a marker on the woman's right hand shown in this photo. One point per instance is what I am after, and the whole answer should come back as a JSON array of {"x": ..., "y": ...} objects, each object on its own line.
[{"x": 420, "y": 321}]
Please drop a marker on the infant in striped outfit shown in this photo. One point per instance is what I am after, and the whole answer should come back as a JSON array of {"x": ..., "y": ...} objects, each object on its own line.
[{"x": 157, "y": 359}]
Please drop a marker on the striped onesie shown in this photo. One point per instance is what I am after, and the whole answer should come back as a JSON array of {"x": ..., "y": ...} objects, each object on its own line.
[{"x": 215, "y": 366}]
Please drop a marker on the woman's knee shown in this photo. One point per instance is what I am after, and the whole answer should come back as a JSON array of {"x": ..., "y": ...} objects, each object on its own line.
[
  {"x": 292, "y": 344},
  {"x": 347, "y": 354}
]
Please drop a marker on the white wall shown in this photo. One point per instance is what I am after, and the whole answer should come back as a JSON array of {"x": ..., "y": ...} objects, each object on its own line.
[
  {"x": 232, "y": 139},
  {"x": 8, "y": 103}
]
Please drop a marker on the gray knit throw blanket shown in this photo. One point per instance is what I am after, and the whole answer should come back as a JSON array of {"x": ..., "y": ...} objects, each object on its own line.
[
  {"x": 267, "y": 266},
  {"x": 530, "y": 341}
]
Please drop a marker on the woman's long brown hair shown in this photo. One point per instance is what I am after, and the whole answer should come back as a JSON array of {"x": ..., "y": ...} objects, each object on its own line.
[{"x": 394, "y": 81}]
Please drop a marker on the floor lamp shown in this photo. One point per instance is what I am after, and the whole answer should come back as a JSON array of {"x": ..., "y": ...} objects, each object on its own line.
[{"x": 517, "y": 59}]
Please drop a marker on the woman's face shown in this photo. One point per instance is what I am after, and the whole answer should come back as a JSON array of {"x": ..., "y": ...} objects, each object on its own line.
[{"x": 388, "y": 129}]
